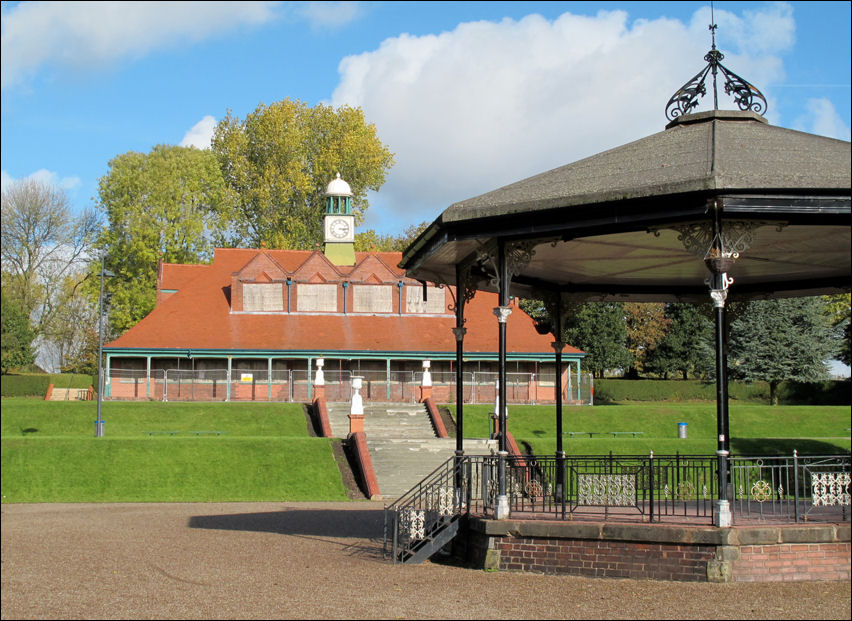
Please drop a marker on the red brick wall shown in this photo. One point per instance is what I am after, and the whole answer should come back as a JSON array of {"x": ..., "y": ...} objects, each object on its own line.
[
  {"x": 605, "y": 559},
  {"x": 792, "y": 562}
]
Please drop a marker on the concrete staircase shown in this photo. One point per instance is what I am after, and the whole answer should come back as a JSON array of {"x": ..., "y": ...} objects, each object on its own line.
[
  {"x": 402, "y": 443},
  {"x": 69, "y": 394}
]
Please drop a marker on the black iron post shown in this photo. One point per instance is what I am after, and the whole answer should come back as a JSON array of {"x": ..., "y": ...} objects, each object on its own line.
[
  {"x": 719, "y": 261},
  {"x": 459, "y": 332},
  {"x": 502, "y": 312},
  {"x": 558, "y": 345}
]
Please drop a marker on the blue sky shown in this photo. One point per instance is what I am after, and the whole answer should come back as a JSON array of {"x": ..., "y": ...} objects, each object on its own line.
[{"x": 468, "y": 95}]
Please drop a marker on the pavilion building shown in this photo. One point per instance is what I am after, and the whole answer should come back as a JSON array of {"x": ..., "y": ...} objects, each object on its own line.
[{"x": 256, "y": 324}]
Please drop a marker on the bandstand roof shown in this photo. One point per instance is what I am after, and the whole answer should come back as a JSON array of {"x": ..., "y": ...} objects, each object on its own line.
[{"x": 610, "y": 226}]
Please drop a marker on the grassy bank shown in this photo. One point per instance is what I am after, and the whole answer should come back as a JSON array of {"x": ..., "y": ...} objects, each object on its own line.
[
  {"x": 264, "y": 452},
  {"x": 754, "y": 429}
]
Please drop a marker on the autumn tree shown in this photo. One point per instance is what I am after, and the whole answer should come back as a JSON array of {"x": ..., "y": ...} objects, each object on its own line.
[
  {"x": 646, "y": 326},
  {"x": 170, "y": 204},
  {"x": 369, "y": 240},
  {"x": 278, "y": 161}
]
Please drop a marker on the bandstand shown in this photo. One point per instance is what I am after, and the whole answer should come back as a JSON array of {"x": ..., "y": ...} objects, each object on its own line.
[{"x": 719, "y": 206}]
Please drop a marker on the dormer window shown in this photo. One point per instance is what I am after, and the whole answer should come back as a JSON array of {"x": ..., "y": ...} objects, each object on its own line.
[{"x": 263, "y": 297}]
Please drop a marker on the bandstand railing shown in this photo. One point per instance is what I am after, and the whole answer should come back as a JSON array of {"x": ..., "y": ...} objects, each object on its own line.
[{"x": 639, "y": 488}]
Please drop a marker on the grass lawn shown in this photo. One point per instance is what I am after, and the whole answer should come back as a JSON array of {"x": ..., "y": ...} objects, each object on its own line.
[
  {"x": 265, "y": 452},
  {"x": 50, "y": 454},
  {"x": 754, "y": 429}
]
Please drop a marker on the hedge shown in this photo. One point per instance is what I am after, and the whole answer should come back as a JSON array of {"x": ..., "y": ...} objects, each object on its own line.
[
  {"x": 35, "y": 385},
  {"x": 835, "y": 392}
]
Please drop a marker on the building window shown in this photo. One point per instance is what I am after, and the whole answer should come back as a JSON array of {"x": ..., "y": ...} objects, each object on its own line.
[
  {"x": 266, "y": 297},
  {"x": 435, "y": 303},
  {"x": 372, "y": 299},
  {"x": 316, "y": 298}
]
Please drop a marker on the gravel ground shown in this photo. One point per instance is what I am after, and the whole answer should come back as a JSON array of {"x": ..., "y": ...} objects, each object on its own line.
[{"x": 317, "y": 560}]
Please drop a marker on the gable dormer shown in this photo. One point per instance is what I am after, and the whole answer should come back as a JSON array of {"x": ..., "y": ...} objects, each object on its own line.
[{"x": 259, "y": 286}]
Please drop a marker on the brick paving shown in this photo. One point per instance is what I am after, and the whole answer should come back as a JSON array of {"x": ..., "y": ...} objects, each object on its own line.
[{"x": 317, "y": 560}]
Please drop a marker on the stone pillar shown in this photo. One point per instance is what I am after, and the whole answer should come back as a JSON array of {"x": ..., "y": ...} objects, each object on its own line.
[
  {"x": 319, "y": 380},
  {"x": 426, "y": 382},
  {"x": 356, "y": 410}
]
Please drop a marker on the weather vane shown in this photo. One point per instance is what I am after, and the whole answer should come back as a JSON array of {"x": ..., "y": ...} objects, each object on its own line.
[{"x": 746, "y": 95}]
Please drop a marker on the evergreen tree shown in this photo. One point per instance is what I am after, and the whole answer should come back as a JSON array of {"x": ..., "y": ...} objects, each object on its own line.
[
  {"x": 600, "y": 330},
  {"x": 16, "y": 340},
  {"x": 784, "y": 339},
  {"x": 687, "y": 347}
]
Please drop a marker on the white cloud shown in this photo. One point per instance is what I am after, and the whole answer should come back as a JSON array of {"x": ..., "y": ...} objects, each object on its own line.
[
  {"x": 45, "y": 176},
  {"x": 201, "y": 134},
  {"x": 323, "y": 15},
  {"x": 490, "y": 103},
  {"x": 822, "y": 119},
  {"x": 82, "y": 34}
]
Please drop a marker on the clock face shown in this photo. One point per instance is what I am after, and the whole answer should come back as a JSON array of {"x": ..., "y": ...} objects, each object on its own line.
[{"x": 339, "y": 228}]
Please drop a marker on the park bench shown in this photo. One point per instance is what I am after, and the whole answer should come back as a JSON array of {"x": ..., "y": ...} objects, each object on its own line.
[
  {"x": 161, "y": 433},
  {"x": 207, "y": 433},
  {"x": 591, "y": 434},
  {"x": 615, "y": 434}
]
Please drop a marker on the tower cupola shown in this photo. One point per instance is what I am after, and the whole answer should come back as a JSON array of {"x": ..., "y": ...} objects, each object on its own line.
[{"x": 339, "y": 223}]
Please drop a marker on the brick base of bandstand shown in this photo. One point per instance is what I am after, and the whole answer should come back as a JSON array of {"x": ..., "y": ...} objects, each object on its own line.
[{"x": 799, "y": 552}]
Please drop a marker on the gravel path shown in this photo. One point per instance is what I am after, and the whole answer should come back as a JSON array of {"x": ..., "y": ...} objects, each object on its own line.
[{"x": 316, "y": 560}]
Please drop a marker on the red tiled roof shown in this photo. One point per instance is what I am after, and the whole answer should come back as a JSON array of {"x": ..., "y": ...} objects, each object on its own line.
[{"x": 199, "y": 317}]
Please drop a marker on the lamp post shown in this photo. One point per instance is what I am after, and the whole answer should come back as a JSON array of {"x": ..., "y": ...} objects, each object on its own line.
[{"x": 99, "y": 423}]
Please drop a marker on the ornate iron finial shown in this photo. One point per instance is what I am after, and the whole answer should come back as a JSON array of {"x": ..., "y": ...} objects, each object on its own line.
[{"x": 746, "y": 95}]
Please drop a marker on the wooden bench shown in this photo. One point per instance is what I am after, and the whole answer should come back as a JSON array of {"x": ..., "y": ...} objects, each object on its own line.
[
  {"x": 615, "y": 434},
  {"x": 161, "y": 433},
  {"x": 591, "y": 434},
  {"x": 207, "y": 433}
]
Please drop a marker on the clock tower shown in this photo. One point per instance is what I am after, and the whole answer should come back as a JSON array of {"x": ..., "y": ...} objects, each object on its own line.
[{"x": 339, "y": 223}]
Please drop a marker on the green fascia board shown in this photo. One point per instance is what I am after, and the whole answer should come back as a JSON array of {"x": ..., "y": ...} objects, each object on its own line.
[{"x": 351, "y": 355}]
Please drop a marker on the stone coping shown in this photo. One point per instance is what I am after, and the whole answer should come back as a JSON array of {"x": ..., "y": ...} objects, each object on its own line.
[{"x": 664, "y": 533}]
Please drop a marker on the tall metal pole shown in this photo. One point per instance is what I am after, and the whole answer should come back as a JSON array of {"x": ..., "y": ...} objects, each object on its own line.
[{"x": 99, "y": 424}]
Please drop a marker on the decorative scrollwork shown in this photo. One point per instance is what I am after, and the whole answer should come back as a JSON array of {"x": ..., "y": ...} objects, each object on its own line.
[
  {"x": 747, "y": 96},
  {"x": 761, "y": 491},
  {"x": 830, "y": 488},
  {"x": 534, "y": 489},
  {"x": 685, "y": 491}
]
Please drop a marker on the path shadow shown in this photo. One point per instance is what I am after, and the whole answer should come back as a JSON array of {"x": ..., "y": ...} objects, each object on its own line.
[
  {"x": 349, "y": 523},
  {"x": 363, "y": 527}
]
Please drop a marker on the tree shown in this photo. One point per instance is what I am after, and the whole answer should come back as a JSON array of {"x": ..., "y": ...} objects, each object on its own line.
[
  {"x": 778, "y": 340},
  {"x": 839, "y": 309},
  {"x": 687, "y": 346},
  {"x": 42, "y": 243},
  {"x": 279, "y": 160},
  {"x": 71, "y": 336},
  {"x": 170, "y": 204},
  {"x": 647, "y": 324},
  {"x": 16, "y": 341},
  {"x": 369, "y": 240},
  {"x": 599, "y": 329}
]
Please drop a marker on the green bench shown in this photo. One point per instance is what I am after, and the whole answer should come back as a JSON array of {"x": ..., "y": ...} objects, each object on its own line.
[
  {"x": 172, "y": 433},
  {"x": 592, "y": 434}
]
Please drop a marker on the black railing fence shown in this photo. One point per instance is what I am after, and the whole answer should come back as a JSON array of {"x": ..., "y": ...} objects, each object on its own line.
[{"x": 643, "y": 488}]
